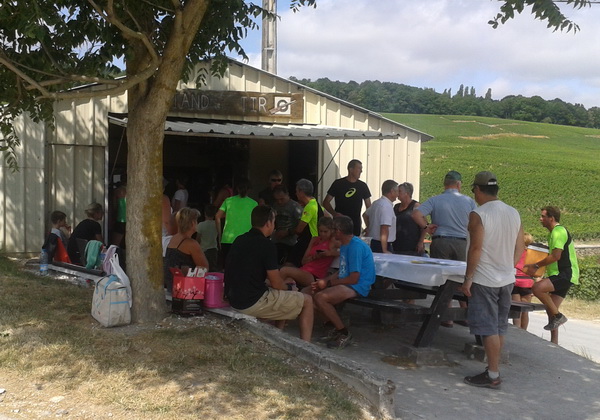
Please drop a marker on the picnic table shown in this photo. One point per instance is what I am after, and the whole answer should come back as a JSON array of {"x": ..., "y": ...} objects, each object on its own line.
[{"x": 417, "y": 277}]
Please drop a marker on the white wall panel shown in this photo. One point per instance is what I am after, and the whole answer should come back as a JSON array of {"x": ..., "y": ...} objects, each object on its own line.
[{"x": 22, "y": 193}]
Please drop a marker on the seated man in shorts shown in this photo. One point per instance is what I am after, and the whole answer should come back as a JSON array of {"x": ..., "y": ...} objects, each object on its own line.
[
  {"x": 251, "y": 261},
  {"x": 355, "y": 277}
]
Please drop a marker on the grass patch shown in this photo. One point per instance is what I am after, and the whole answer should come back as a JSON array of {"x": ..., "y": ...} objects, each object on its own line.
[
  {"x": 185, "y": 368},
  {"x": 537, "y": 165}
]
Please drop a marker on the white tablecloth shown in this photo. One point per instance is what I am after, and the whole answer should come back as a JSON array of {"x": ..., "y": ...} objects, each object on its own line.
[{"x": 419, "y": 270}]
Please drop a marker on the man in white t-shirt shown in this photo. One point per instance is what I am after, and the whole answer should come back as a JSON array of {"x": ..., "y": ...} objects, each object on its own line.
[
  {"x": 495, "y": 244},
  {"x": 380, "y": 219},
  {"x": 180, "y": 198}
]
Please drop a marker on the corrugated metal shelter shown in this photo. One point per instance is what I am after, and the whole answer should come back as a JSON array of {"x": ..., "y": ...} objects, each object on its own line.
[{"x": 274, "y": 122}]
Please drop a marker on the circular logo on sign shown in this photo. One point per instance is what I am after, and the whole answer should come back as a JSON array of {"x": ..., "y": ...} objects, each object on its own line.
[
  {"x": 282, "y": 105},
  {"x": 350, "y": 192}
]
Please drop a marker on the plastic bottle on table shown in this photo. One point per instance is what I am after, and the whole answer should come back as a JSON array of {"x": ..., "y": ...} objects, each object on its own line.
[{"x": 43, "y": 263}]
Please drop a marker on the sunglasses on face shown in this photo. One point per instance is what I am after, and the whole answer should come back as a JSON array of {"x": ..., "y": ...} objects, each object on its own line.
[{"x": 275, "y": 179}]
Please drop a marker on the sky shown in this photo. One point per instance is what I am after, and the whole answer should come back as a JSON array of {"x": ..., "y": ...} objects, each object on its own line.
[{"x": 439, "y": 44}]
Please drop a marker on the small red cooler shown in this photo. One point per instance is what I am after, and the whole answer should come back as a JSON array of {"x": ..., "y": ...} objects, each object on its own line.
[
  {"x": 213, "y": 292},
  {"x": 188, "y": 293}
]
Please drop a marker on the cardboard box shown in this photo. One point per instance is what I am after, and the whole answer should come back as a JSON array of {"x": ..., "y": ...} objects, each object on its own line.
[{"x": 536, "y": 253}]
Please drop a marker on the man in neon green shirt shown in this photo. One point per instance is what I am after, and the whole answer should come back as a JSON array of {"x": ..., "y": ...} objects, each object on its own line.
[
  {"x": 238, "y": 210},
  {"x": 307, "y": 226},
  {"x": 562, "y": 270}
]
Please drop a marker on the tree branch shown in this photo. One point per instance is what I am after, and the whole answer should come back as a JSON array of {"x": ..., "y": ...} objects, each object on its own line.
[
  {"x": 9, "y": 64},
  {"x": 127, "y": 32}
]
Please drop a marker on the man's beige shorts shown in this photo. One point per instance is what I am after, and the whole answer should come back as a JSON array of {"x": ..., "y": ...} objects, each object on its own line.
[{"x": 277, "y": 305}]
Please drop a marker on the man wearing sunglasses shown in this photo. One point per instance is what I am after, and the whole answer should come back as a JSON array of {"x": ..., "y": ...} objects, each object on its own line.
[{"x": 265, "y": 197}]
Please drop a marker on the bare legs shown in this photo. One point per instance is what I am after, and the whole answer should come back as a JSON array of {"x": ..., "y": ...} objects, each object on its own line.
[
  {"x": 301, "y": 277},
  {"x": 306, "y": 318},
  {"x": 523, "y": 320},
  {"x": 542, "y": 290},
  {"x": 493, "y": 347}
]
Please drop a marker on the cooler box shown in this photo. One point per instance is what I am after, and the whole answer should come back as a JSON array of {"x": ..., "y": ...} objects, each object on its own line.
[
  {"x": 535, "y": 253},
  {"x": 213, "y": 291},
  {"x": 188, "y": 293}
]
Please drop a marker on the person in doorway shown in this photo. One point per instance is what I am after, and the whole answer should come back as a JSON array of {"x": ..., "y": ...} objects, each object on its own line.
[
  {"x": 180, "y": 198},
  {"x": 307, "y": 226},
  {"x": 349, "y": 193},
  {"x": 223, "y": 189},
  {"x": 87, "y": 230},
  {"x": 289, "y": 213},
  {"x": 381, "y": 220},
  {"x": 562, "y": 270},
  {"x": 252, "y": 260},
  {"x": 120, "y": 206},
  {"x": 207, "y": 237},
  {"x": 236, "y": 211},
  {"x": 354, "y": 278},
  {"x": 168, "y": 223},
  {"x": 183, "y": 251},
  {"x": 495, "y": 245},
  {"x": 408, "y": 234},
  {"x": 266, "y": 196}
]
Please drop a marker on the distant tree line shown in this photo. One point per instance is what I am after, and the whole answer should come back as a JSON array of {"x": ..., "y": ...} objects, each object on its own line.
[{"x": 399, "y": 98}]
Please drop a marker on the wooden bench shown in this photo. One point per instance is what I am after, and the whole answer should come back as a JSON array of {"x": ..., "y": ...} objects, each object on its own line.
[
  {"x": 407, "y": 312},
  {"x": 517, "y": 308},
  {"x": 410, "y": 312},
  {"x": 76, "y": 271}
]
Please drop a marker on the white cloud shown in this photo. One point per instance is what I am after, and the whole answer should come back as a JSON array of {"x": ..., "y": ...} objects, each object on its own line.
[{"x": 440, "y": 44}]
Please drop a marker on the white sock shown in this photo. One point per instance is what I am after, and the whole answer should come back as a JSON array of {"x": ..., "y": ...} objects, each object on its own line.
[{"x": 493, "y": 375}]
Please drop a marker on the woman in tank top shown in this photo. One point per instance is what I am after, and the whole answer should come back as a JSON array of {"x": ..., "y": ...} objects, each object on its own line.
[
  {"x": 408, "y": 232},
  {"x": 183, "y": 250}
]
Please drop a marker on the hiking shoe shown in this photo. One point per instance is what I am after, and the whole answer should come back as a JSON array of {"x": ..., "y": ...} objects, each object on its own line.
[
  {"x": 483, "y": 380},
  {"x": 556, "y": 321},
  {"x": 341, "y": 341}
]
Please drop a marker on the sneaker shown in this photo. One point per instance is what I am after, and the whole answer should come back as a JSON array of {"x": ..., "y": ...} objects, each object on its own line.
[
  {"x": 341, "y": 341},
  {"x": 331, "y": 335},
  {"x": 483, "y": 380},
  {"x": 556, "y": 321}
]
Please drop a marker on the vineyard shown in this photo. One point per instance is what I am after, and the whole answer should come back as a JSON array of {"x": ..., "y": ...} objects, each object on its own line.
[{"x": 536, "y": 164}]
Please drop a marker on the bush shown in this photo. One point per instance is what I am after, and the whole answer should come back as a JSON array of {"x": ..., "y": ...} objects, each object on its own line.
[{"x": 589, "y": 280}]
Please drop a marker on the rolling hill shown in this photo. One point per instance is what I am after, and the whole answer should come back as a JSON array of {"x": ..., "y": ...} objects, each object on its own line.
[{"x": 537, "y": 165}]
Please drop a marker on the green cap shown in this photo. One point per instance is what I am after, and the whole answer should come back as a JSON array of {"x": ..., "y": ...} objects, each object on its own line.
[{"x": 453, "y": 176}]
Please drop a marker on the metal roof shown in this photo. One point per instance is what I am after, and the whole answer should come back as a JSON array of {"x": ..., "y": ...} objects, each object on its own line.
[{"x": 230, "y": 129}]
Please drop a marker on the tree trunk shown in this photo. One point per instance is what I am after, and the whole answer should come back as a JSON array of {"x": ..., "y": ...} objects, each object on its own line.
[
  {"x": 145, "y": 135},
  {"x": 149, "y": 103}
]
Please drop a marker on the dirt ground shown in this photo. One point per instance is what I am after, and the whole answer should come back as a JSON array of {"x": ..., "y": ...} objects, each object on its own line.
[{"x": 24, "y": 398}]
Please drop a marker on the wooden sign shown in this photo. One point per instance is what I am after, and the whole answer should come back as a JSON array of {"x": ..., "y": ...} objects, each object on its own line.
[{"x": 289, "y": 106}]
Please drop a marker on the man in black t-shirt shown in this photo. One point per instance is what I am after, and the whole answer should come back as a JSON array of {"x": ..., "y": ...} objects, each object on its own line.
[
  {"x": 252, "y": 260},
  {"x": 349, "y": 193}
]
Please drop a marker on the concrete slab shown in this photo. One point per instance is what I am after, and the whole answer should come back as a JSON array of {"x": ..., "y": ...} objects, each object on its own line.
[{"x": 540, "y": 380}]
